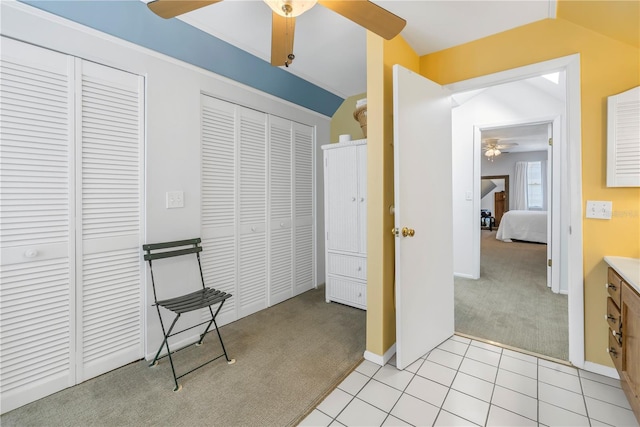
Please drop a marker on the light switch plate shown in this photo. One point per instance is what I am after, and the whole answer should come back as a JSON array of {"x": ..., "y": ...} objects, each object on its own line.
[
  {"x": 175, "y": 199},
  {"x": 598, "y": 209}
]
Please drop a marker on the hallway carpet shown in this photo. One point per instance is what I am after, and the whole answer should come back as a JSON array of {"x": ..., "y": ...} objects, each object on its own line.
[
  {"x": 288, "y": 357},
  {"x": 511, "y": 303}
]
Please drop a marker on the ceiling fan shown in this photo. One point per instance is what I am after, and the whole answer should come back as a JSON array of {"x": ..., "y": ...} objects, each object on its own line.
[
  {"x": 363, "y": 12},
  {"x": 492, "y": 147}
]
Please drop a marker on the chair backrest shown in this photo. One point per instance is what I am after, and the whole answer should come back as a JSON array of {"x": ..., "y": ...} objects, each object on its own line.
[{"x": 172, "y": 249}]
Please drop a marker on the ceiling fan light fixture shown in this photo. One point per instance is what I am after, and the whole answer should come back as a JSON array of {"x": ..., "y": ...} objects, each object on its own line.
[{"x": 290, "y": 8}]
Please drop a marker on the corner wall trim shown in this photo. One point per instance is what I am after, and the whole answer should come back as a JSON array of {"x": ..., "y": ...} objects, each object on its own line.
[
  {"x": 380, "y": 360},
  {"x": 596, "y": 368}
]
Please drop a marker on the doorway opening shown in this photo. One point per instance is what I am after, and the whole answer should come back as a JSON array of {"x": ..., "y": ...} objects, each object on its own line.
[{"x": 523, "y": 84}]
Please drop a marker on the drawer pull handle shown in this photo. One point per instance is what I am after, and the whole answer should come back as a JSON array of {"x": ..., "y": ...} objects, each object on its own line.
[
  {"x": 359, "y": 294},
  {"x": 31, "y": 253},
  {"x": 353, "y": 199},
  {"x": 359, "y": 268},
  {"x": 610, "y": 286},
  {"x": 612, "y": 351},
  {"x": 610, "y": 318}
]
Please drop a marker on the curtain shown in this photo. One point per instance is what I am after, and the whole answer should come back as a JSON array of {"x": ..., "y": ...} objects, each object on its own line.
[{"x": 520, "y": 186}]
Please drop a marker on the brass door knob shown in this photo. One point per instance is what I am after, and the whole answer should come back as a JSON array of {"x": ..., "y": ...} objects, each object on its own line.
[{"x": 408, "y": 232}]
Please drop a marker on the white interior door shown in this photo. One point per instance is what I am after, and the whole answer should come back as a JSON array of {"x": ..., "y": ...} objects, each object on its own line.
[{"x": 423, "y": 203}]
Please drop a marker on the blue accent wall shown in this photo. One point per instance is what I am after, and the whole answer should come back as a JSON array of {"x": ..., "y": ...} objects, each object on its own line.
[{"x": 131, "y": 20}]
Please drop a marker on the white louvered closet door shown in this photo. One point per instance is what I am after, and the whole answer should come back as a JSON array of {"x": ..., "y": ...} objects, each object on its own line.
[
  {"x": 219, "y": 266},
  {"x": 252, "y": 209},
  {"x": 37, "y": 265},
  {"x": 109, "y": 104},
  {"x": 280, "y": 210},
  {"x": 304, "y": 248}
]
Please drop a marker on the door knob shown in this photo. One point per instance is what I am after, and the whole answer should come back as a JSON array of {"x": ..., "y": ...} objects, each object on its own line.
[{"x": 408, "y": 232}]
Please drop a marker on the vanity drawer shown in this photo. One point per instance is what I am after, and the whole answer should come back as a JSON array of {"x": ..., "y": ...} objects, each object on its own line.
[
  {"x": 349, "y": 266},
  {"x": 614, "y": 285},
  {"x": 613, "y": 316},
  {"x": 615, "y": 351}
]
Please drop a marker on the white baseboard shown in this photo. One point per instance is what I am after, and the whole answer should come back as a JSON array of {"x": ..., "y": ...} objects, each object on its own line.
[
  {"x": 464, "y": 275},
  {"x": 596, "y": 368},
  {"x": 380, "y": 360}
]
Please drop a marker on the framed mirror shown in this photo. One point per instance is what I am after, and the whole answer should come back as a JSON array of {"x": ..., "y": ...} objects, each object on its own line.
[{"x": 494, "y": 197}]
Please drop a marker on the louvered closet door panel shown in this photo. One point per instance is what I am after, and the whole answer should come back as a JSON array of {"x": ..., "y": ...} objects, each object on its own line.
[
  {"x": 304, "y": 143},
  {"x": 218, "y": 257},
  {"x": 252, "y": 190},
  {"x": 342, "y": 198},
  {"x": 280, "y": 210},
  {"x": 37, "y": 265},
  {"x": 110, "y": 107}
]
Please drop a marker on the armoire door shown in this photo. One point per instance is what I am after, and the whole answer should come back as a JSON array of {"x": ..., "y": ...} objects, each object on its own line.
[
  {"x": 71, "y": 221},
  {"x": 342, "y": 197}
]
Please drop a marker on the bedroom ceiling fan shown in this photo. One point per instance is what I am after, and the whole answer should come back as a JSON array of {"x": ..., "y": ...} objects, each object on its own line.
[
  {"x": 492, "y": 147},
  {"x": 363, "y": 12}
]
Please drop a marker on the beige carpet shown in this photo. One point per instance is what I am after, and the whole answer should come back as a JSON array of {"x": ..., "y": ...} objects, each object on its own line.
[
  {"x": 288, "y": 357},
  {"x": 511, "y": 303}
]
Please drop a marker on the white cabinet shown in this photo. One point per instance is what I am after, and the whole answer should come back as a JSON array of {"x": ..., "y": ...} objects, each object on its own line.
[
  {"x": 345, "y": 195},
  {"x": 257, "y": 207}
]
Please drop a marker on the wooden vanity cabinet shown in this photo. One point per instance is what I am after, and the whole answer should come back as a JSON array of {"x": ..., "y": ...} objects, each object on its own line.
[{"x": 623, "y": 318}]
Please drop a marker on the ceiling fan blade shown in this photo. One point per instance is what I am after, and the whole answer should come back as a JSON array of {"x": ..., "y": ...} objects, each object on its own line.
[
  {"x": 282, "y": 31},
  {"x": 369, "y": 15},
  {"x": 172, "y": 8}
]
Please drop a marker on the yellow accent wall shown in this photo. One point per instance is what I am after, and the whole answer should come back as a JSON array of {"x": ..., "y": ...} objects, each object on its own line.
[
  {"x": 608, "y": 67},
  {"x": 381, "y": 56},
  {"x": 343, "y": 122}
]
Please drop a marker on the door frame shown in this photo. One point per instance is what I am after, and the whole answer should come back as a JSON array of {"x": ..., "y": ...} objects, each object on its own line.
[
  {"x": 570, "y": 178},
  {"x": 553, "y": 198}
]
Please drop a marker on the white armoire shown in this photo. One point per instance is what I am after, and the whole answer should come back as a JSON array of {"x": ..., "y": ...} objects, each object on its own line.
[{"x": 345, "y": 204}]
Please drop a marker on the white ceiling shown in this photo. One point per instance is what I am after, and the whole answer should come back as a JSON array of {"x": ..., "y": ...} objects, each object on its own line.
[{"x": 331, "y": 50}]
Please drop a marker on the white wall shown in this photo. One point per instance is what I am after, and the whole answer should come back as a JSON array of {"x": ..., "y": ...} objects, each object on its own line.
[
  {"x": 173, "y": 91},
  {"x": 517, "y": 102}
]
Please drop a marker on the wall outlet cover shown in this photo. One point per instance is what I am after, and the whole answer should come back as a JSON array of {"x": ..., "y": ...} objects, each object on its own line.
[{"x": 175, "y": 199}]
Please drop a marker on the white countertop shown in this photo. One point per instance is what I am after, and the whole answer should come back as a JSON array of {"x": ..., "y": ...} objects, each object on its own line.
[{"x": 628, "y": 268}]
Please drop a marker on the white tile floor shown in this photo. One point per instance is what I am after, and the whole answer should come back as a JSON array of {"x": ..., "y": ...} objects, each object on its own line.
[{"x": 466, "y": 383}]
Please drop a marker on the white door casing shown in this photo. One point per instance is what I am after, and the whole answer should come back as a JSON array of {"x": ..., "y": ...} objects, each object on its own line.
[{"x": 423, "y": 202}]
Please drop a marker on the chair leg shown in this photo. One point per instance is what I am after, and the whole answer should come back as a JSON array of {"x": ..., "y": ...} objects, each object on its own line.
[
  {"x": 213, "y": 319},
  {"x": 165, "y": 343}
]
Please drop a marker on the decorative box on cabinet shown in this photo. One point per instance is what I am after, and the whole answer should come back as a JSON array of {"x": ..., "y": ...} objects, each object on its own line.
[
  {"x": 345, "y": 204},
  {"x": 623, "y": 317}
]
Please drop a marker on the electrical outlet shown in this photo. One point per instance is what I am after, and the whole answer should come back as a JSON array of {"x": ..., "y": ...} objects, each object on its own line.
[
  {"x": 175, "y": 199},
  {"x": 599, "y": 209}
]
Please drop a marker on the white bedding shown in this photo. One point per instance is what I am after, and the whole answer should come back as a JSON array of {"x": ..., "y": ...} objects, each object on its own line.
[{"x": 530, "y": 226}]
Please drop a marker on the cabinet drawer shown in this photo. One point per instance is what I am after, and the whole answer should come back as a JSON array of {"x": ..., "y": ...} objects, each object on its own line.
[
  {"x": 614, "y": 284},
  {"x": 347, "y": 292},
  {"x": 349, "y": 266},
  {"x": 615, "y": 351},
  {"x": 613, "y": 316}
]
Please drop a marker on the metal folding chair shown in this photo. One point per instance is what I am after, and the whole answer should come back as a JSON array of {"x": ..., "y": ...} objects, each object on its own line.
[{"x": 202, "y": 298}]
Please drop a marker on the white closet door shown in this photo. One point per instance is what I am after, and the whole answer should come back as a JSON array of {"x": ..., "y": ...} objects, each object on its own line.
[
  {"x": 218, "y": 257},
  {"x": 109, "y": 105},
  {"x": 342, "y": 197},
  {"x": 303, "y": 148},
  {"x": 37, "y": 262},
  {"x": 252, "y": 200},
  {"x": 280, "y": 211}
]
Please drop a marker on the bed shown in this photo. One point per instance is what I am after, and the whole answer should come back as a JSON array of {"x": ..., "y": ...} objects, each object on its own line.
[{"x": 530, "y": 226}]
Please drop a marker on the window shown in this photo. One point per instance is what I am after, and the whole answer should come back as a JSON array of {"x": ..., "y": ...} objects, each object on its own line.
[{"x": 535, "y": 189}]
